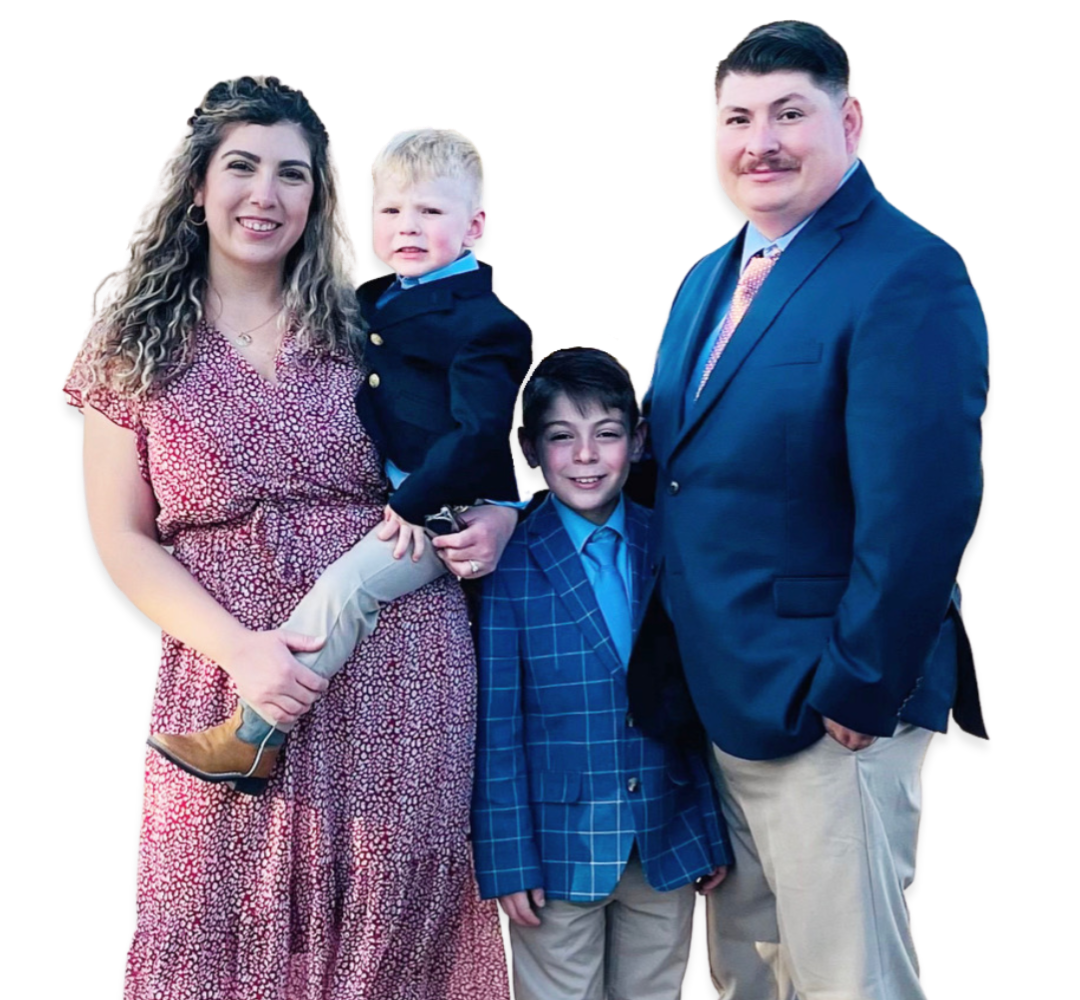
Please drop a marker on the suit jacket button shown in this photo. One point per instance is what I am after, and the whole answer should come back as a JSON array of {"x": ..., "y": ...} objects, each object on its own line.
[
  {"x": 374, "y": 380},
  {"x": 376, "y": 339},
  {"x": 632, "y": 785},
  {"x": 673, "y": 487}
]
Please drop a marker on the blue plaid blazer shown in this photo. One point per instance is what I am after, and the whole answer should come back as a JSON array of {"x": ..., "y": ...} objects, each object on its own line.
[{"x": 565, "y": 781}]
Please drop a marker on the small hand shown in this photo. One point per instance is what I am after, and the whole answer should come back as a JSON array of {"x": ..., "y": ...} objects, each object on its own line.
[
  {"x": 475, "y": 551},
  {"x": 847, "y": 737},
  {"x": 707, "y": 883},
  {"x": 270, "y": 679},
  {"x": 521, "y": 907},
  {"x": 407, "y": 534}
]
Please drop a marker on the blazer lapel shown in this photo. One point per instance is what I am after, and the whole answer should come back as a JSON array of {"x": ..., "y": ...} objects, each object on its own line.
[
  {"x": 705, "y": 311},
  {"x": 434, "y": 297},
  {"x": 694, "y": 307},
  {"x": 559, "y": 561}
]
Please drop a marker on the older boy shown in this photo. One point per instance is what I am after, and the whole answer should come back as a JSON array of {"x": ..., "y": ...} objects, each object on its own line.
[
  {"x": 444, "y": 361},
  {"x": 590, "y": 833}
]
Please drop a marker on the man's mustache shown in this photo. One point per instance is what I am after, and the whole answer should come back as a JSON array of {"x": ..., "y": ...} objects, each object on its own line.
[{"x": 770, "y": 163}]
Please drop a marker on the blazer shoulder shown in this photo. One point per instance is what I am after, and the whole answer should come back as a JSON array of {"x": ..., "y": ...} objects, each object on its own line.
[
  {"x": 892, "y": 229},
  {"x": 516, "y": 553},
  {"x": 476, "y": 299},
  {"x": 487, "y": 314},
  {"x": 886, "y": 249}
]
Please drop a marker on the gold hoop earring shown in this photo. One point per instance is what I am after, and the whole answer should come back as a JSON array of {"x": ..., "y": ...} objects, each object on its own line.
[{"x": 191, "y": 218}]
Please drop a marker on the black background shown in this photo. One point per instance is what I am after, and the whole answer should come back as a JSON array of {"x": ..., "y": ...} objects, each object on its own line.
[{"x": 601, "y": 193}]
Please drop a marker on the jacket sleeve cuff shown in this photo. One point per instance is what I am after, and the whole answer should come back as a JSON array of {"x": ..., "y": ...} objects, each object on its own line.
[{"x": 866, "y": 707}]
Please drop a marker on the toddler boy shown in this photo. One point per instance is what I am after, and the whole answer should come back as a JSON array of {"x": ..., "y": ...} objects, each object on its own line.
[{"x": 591, "y": 834}]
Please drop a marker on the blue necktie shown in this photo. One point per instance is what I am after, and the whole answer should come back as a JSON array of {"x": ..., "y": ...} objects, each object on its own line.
[{"x": 602, "y": 550}]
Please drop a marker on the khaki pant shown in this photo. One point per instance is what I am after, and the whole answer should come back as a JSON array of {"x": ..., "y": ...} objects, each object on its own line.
[
  {"x": 824, "y": 844},
  {"x": 631, "y": 945}
]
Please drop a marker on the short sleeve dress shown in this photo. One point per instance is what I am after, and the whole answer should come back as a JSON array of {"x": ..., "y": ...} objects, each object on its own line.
[{"x": 351, "y": 877}]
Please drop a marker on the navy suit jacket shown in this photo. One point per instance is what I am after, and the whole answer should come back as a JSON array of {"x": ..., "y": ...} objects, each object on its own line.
[
  {"x": 565, "y": 779},
  {"x": 831, "y": 473},
  {"x": 444, "y": 362}
]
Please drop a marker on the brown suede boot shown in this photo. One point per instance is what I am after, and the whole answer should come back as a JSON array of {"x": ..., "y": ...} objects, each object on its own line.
[{"x": 219, "y": 755}]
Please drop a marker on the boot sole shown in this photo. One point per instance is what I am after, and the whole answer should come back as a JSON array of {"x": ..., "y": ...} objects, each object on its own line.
[{"x": 234, "y": 779}]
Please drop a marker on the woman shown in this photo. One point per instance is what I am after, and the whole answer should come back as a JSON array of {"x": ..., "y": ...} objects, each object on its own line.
[{"x": 217, "y": 387}]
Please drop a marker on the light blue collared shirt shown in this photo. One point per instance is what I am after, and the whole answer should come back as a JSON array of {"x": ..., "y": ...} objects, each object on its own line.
[
  {"x": 580, "y": 530},
  {"x": 753, "y": 243},
  {"x": 465, "y": 263}
]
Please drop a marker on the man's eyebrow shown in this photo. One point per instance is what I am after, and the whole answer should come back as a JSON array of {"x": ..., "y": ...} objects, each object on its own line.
[
  {"x": 786, "y": 99},
  {"x": 258, "y": 159}
]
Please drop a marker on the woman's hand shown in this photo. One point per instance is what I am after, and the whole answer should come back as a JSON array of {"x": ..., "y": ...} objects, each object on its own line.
[
  {"x": 475, "y": 552},
  {"x": 521, "y": 907},
  {"x": 407, "y": 534},
  {"x": 270, "y": 679}
]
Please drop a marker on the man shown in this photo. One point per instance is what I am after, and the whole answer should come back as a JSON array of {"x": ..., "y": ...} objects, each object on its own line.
[{"x": 814, "y": 418}]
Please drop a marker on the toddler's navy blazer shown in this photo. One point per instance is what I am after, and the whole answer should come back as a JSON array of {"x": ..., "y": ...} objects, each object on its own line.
[{"x": 444, "y": 362}]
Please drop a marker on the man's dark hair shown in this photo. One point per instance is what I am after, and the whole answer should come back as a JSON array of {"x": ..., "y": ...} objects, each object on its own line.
[
  {"x": 585, "y": 375},
  {"x": 790, "y": 46}
]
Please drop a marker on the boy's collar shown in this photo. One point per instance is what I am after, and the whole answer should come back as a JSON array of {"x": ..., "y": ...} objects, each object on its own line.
[
  {"x": 580, "y": 529},
  {"x": 462, "y": 265}
]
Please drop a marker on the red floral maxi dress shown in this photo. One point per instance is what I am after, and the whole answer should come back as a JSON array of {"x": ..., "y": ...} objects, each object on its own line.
[{"x": 351, "y": 877}]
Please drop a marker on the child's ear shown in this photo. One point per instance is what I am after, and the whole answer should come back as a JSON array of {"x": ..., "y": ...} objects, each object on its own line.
[
  {"x": 528, "y": 449},
  {"x": 476, "y": 228},
  {"x": 637, "y": 441}
]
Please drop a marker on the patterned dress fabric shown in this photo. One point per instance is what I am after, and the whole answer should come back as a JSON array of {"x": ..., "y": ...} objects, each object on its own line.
[{"x": 351, "y": 878}]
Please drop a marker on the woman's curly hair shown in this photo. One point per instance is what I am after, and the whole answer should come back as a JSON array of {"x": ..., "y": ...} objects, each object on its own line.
[{"x": 142, "y": 337}]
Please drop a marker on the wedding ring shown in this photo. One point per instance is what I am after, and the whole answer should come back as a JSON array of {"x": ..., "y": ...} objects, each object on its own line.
[{"x": 474, "y": 567}]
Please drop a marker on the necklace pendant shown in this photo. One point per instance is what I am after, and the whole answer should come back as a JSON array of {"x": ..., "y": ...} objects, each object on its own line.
[{"x": 244, "y": 339}]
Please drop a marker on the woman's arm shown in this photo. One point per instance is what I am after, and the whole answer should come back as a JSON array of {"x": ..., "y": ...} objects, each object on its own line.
[{"x": 122, "y": 511}]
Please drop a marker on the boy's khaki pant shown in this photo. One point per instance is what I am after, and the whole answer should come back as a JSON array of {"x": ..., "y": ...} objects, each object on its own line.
[{"x": 631, "y": 945}]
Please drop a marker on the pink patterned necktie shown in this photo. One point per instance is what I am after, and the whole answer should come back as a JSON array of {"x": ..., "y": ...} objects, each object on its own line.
[{"x": 750, "y": 282}]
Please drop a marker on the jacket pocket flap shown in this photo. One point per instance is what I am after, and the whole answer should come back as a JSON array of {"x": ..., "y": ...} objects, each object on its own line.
[
  {"x": 808, "y": 596},
  {"x": 555, "y": 786}
]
